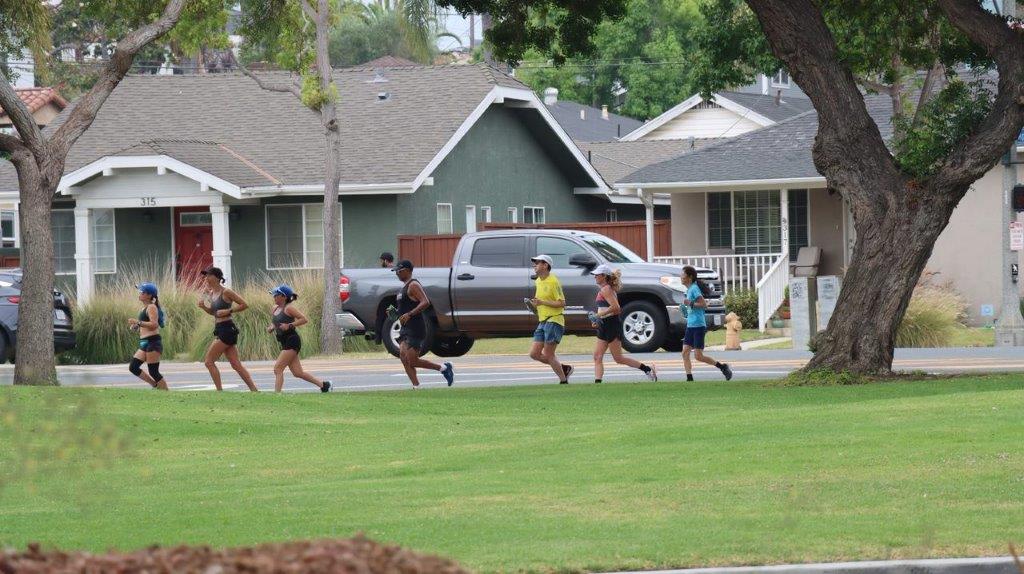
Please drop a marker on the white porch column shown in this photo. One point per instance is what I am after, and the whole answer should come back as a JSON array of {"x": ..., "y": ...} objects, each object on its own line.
[
  {"x": 784, "y": 218},
  {"x": 83, "y": 254},
  {"x": 221, "y": 240},
  {"x": 470, "y": 218},
  {"x": 647, "y": 198}
]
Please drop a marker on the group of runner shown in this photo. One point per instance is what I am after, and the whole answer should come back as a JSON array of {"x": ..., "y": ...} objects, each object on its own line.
[
  {"x": 222, "y": 304},
  {"x": 412, "y": 302}
]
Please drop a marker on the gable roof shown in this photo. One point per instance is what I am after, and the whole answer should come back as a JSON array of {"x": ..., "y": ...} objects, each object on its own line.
[
  {"x": 592, "y": 127},
  {"x": 35, "y": 98},
  {"x": 394, "y": 129},
  {"x": 617, "y": 159},
  {"x": 781, "y": 152},
  {"x": 758, "y": 108}
]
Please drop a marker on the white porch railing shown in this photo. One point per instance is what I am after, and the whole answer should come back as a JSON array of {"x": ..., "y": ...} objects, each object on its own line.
[
  {"x": 771, "y": 290},
  {"x": 735, "y": 271}
]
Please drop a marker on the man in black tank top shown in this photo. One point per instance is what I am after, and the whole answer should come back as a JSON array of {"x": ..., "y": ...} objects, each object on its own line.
[{"x": 412, "y": 303}]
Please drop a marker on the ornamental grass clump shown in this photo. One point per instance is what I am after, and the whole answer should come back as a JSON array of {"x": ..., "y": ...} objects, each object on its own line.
[{"x": 934, "y": 314}]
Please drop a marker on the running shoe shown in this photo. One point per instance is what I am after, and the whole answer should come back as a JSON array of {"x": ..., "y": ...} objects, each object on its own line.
[
  {"x": 326, "y": 388},
  {"x": 652, "y": 374},
  {"x": 448, "y": 372},
  {"x": 727, "y": 371},
  {"x": 567, "y": 369}
]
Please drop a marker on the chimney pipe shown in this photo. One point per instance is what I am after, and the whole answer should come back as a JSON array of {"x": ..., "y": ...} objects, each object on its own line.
[
  {"x": 604, "y": 112},
  {"x": 778, "y": 97},
  {"x": 550, "y": 96},
  {"x": 583, "y": 114}
]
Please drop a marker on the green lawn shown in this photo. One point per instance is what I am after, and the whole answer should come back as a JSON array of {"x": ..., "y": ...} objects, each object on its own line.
[{"x": 531, "y": 478}]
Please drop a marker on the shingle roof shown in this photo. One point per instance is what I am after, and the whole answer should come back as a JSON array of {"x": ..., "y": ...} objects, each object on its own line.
[
  {"x": 36, "y": 98},
  {"x": 781, "y": 151},
  {"x": 617, "y": 159},
  {"x": 593, "y": 128},
  {"x": 389, "y": 62},
  {"x": 213, "y": 120},
  {"x": 767, "y": 107}
]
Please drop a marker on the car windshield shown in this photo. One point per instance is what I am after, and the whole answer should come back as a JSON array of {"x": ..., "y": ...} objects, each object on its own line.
[{"x": 611, "y": 250}]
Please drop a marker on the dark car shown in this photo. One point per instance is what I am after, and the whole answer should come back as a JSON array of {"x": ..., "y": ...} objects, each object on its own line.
[{"x": 10, "y": 298}]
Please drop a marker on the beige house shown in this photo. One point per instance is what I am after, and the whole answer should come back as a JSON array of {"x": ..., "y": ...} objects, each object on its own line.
[
  {"x": 43, "y": 103},
  {"x": 747, "y": 204}
]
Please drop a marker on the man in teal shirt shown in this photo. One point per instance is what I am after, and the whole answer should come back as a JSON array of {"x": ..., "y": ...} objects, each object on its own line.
[{"x": 696, "y": 326}]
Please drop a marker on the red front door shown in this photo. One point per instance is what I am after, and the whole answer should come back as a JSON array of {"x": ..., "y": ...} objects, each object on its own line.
[{"x": 193, "y": 241}]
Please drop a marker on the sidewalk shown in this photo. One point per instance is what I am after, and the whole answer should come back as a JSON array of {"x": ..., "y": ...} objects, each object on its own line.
[
  {"x": 746, "y": 345},
  {"x": 999, "y": 565}
]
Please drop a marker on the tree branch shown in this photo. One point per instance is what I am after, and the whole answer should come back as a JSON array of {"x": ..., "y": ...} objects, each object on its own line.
[
  {"x": 11, "y": 144},
  {"x": 799, "y": 37},
  {"x": 286, "y": 87},
  {"x": 308, "y": 9},
  {"x": 926, "y": 90},
  {"x": 120, "y": 63},
  {"x": 22, "y": 119},
  {"x": 978, "y": 152},
  {"x": 870, "y": 84}
]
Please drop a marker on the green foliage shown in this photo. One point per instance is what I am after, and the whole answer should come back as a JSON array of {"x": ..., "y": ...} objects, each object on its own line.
[
  {"x": 559, "y": 29},
  {"x": 103, "y": 336},
  {"x": 313, "y": 96},
  {"x": 946, "y": 119},
  {"x": 23, "y": 26},
  {"x": 644, "y": 53},
  {"x": 743, "y": 302},
  {"x": 934, "y": 316}
]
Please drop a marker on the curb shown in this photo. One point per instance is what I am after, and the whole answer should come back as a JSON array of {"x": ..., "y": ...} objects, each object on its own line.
[{"x": 997, "y": 565}]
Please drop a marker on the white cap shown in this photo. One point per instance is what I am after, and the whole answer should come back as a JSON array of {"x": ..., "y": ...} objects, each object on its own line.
[
  {"x": 603, "y": 269},
  {"x": 544, "y": 258}
]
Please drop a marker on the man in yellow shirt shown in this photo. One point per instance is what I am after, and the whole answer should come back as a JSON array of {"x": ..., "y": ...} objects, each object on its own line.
[{"x": 550, "y": 304}]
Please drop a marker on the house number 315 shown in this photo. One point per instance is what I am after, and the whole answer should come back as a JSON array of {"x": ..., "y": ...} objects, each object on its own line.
[{"x": 147, "y": 201}]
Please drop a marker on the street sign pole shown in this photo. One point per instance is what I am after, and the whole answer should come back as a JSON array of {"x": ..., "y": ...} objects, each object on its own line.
[{"x": 1010, "y": 324}]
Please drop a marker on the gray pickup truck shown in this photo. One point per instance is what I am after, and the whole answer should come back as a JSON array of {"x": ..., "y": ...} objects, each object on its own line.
[{"x": 481, "y": 294}]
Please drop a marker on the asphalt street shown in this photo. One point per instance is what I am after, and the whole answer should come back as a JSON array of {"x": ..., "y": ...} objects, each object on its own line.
[{"x": 386, "y": 373}]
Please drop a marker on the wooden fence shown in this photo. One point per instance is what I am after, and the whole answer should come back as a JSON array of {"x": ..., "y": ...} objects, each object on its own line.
[{"x": 439, "y": 250}]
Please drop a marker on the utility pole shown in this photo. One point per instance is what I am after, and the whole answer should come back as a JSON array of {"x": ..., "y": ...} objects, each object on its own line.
[
  {"x": 472, "y": 32},
  {"x": 1010, "y": 324}
]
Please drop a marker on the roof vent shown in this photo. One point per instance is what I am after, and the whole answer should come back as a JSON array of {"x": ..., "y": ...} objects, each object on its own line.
[
  {"x": 583, "y": 113},
  {"x": 383, "y": 96},
  {"x": 550, "y": 96},
  {"x": 378, "y": 76},
  {"x": 604, "y": 112}
]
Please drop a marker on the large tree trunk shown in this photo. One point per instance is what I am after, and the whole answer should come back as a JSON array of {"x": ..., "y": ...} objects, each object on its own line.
[
  {"x": 897, "y": 220},
  {"x": 330, "y": 335},
  {"x": 893, "y": 246},
  {"x": 35, "y": 364}
]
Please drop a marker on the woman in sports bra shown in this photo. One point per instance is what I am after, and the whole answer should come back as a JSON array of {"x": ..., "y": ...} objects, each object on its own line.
[
  {"x": 148, "y": 324},
  {"x": 221, "y": 303},
  {"x": 284, "y": 320},
  {"x": 609, "y": 325}
]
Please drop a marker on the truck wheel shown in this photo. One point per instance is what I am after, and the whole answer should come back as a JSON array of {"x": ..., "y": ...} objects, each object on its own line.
[
  {"x": 452, "y": 346},
  {"x": 389, "y": 336},
  {"x": 644, "y": 326}
]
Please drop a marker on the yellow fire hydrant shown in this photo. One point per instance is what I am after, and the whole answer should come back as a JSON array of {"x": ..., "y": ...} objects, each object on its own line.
[{"x": 733, "y": 326}]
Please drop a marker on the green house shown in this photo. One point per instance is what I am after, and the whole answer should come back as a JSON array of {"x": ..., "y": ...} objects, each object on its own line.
[{"x": 211, "y": 169}]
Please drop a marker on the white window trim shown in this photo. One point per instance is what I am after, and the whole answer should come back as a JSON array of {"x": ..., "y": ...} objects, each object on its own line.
[
  {"x": 786, "y": 84},
  {"x": 485, "y": 213},
  {"x": 613, "y": 213},
  {"x": 14, "y": 227},
  {"x": 266, "y": 235},
  {"x": 92, "y": 237},
  {"x": 543, "y": 213},
  {"x": 513, "y": 213},
  {"x": 64, "y": 273},
  {"x": 451, "y": 219}
]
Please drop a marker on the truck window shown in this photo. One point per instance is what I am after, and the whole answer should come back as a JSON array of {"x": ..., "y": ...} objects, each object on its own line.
[
  {"x": 499, "y": 252},
  {"x": 560, "y": 250}
]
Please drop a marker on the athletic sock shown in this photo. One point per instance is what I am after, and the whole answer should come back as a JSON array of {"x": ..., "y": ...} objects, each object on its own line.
[
  {"x": 689, "y": 377},
  {"x": 645, "y": 368},
  {"x": 597, "y": 380}
]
